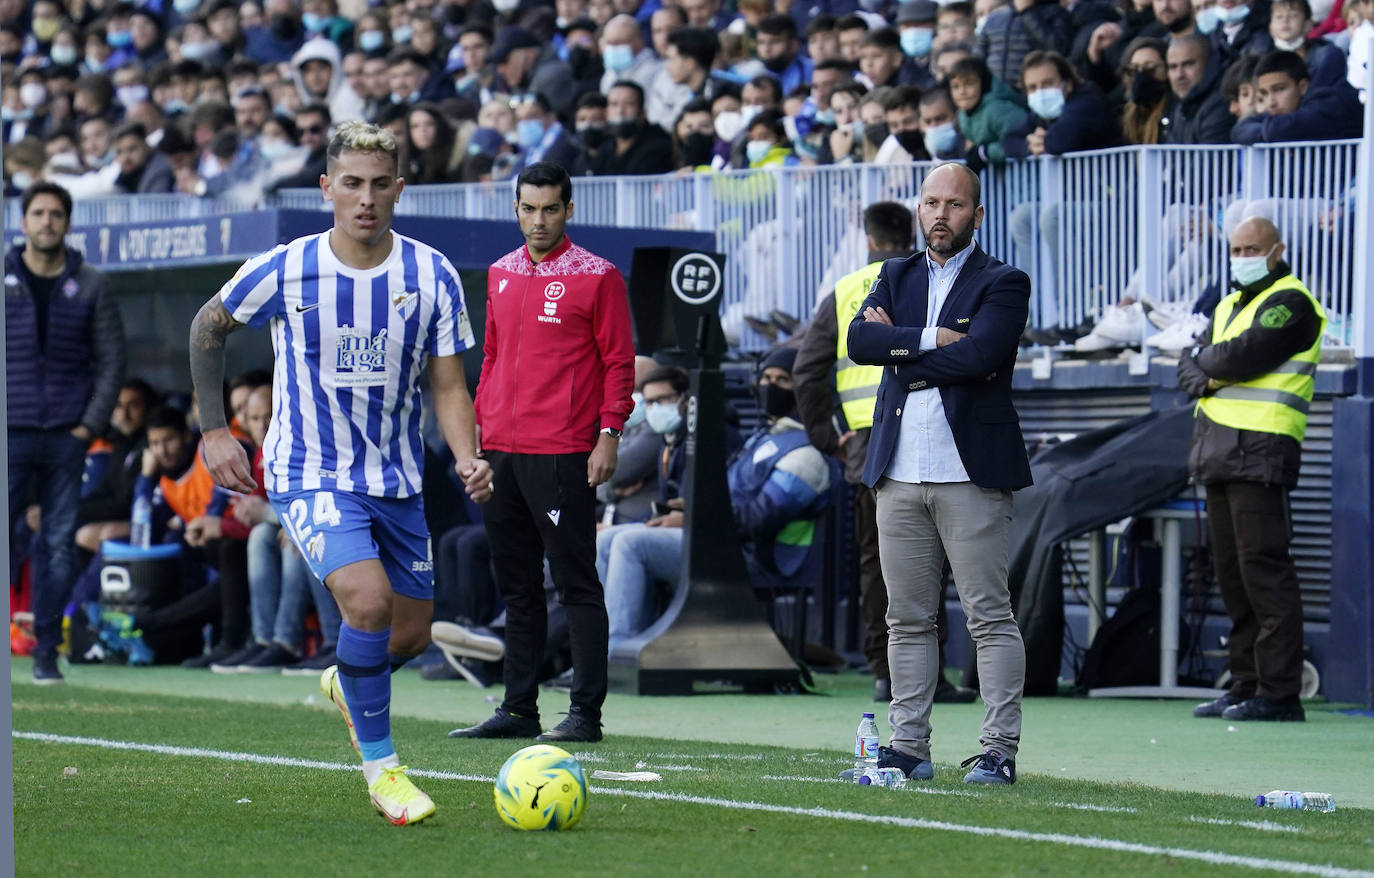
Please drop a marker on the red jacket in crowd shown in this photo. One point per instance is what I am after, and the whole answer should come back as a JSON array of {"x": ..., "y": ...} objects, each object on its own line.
[{"x": 559, "y": 352}]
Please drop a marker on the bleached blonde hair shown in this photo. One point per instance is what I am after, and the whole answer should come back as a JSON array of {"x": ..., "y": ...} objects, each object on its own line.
[{"x": 360, "y": 136}]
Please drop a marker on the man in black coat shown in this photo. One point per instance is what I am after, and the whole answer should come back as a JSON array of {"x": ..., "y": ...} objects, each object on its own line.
[
  {"x": 1198, "y": 111},
  {"x": 635, "y": 146},
  {"x": 141, "y": 169}
]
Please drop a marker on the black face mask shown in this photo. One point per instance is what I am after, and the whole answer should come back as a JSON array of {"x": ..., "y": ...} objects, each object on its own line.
[
  {"x": 913, "y": 142},
  {"x": 697, "y": 149},
  {"x": 584, "y": 62},
  {"x": 875, "y": 133},
  {"x": 592, "y": 136},
  {"x": 778, "y": 65},
  {"x": 1180, "y": 25},
  {"x": 284, "y": 27},
  {"x": 627, "y": 129},
  {"x": 777, "y": 402},
  {"x": 1146, "y": 90}
]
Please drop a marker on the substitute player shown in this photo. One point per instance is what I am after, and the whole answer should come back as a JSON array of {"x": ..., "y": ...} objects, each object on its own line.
[{"x": 356, "y": 314}]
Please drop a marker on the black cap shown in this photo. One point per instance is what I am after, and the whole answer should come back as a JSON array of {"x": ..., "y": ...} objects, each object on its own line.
[
  {"x": 781, "y": 358},
  {"x": 509, "y": 40},
  {"x": 917, "y": 12}
]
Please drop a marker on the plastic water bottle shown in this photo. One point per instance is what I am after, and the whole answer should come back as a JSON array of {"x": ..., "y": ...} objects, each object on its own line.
[
  {"x": 892, "y": 778},
  {"x": 141, "y": 524},
  {"x": 1293, "y": 801},
  {"x": 865, "y": 747}
]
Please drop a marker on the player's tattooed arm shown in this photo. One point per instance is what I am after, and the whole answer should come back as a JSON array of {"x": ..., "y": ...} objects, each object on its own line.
[{"x": 212, "y": 326}]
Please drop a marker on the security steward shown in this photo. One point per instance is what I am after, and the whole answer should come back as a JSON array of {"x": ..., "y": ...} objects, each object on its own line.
[
  {"x": 824, "y": 352},
  {"x": 1253, "y": 372}
]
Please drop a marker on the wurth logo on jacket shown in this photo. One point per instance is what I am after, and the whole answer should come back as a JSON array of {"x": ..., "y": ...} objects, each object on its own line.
[{"x": 559, "y": 352}]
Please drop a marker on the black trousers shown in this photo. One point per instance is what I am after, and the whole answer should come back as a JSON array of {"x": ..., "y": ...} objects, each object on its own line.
[
  {"x": 1250, "y": 531},
  {"x": 543, "y": 506}
]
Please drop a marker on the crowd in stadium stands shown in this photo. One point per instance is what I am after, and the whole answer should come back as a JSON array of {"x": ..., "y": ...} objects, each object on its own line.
[{"x": 213, "y": 97}]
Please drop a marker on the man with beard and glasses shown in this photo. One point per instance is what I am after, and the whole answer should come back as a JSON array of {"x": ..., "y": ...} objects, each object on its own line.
[{"x": 945, "y": 454}]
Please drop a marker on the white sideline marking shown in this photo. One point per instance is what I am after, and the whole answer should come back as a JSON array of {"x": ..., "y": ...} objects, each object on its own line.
[
  {"x": 1108, "y": 844},
  {"x": 1080, "y": 806},
  {"x": 1263, "y": 825},
  {"x": 909, "y": 788}
]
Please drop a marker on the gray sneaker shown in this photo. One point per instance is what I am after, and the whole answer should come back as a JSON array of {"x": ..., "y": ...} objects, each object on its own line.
[{"x": 990, "y": 767}]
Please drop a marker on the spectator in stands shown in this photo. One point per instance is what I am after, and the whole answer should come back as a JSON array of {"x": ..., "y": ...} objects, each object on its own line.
[
  {"x": 823, "y": 39},
  {"x": 1145, "y": 77},
  {"x": 474, "y": 83},
  {"x": 844, "y": 143},
  {"x": 30, "y": 118},
  {"x": 706, "y": 13},
  {"x": 1013, "y": 32},
  {"x": 108, "y": 493},
  {"x": 902, "y": 113},
  {"x": 316, "y": 71},
  {"x": 778, "y": 482},
  {"x": 988, "y": 109},
  {"x": 943, "y": 58},
  {"x": 629, "y": 495},
  {"x": 916, "y": 33},
  {"x": 694, "y": 137},
  {"x": 373, "y": 34},
  {"x": 407, "y": 74},
  {"x": 1238, "y": 86},
  {"x": 223, "y": 22},
  {"x": 64, "y": 354},
  {"x": 883, "y": 63},
  {"x": 251, "y": 111},
  {"x": 145, "y": 28},
  {"x": 780, "y": 51},
  {"x": 825, "y": 78},
  {"x": 686, "y": 74},
  {"x": 93, "y": 96},
  {"x": 766, "y": 143},
  {"x": 279, "y": 40},
  {"x": 850, "y": 32},
  {"x": 954, "y": 24},
  {"x": 377, "y": 88},
  {"x": 1242, "y": 30},
  {"x": 1289, "y": 23},
  {"x": 141, "y": 169},
  {"x": 312, "y": 129},
  {"x": 940, "y": 133},
  {"x": 1198, "y": 112},
  {"x": 625, "y": 55},
  {"x": 544, "y": 139},
  {"x": 519, "y": 70},
  {"x": 118, "y": 36},
  {"x": 589, "y": 122},
  {"x": 1289, "y": 107},
  {"x": 662, "y": 23},
  {"x": 637, "y": 146},
  {"x": 435, "y": 149},
  {"x": 97, "y": 150}
]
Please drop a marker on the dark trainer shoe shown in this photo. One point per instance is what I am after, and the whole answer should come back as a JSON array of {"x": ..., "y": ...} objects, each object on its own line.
[
  {"x": 947, "y": 693},
  {"x": 45, "y": 672},
  {"x": 882, "y": 690},
  {"x": 990, "y": 768},
  {"x": 501, "y": 724},
  {"x": 1264, "y": 709},
  {"x": 578, "y": 727},
  {"x": 1217, "y": 707},
  {"x": 914, "y": 768}
]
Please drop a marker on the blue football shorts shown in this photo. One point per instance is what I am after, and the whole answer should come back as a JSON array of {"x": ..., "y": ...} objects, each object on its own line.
[{"x": 335, "y": 528}]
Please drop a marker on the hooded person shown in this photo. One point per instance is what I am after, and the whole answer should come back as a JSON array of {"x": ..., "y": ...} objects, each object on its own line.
[{"x": 317, "y": 84}]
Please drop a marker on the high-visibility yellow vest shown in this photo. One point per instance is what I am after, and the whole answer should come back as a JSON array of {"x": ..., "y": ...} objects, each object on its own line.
[
  {"x": 1277, "y": 401},
  {"x": 857, "y": 385}
]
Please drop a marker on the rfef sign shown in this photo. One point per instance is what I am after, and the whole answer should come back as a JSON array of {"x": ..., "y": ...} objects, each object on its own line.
[{"x": 695, "y": 278}]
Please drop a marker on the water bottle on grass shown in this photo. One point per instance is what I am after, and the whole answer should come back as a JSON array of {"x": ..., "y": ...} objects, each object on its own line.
[
  {"x": 865, "y": 747},
  {"x": 1289, "y": 800},
  {"x": 892, "y": 778}
]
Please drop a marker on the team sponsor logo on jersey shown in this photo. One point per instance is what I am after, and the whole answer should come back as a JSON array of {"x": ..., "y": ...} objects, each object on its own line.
[
  {"x": 501, "y": 287},
  {"x": 405, "y": 303},
  {"x": 360, "y": 359},
  {"x": 69, "y": 287},
  {"x": 315, "y": 547},
  {"x": 554, "y": 291}
]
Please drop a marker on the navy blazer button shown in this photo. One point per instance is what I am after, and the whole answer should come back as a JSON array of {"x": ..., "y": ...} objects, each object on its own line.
[
  {"x": 899, "y": 412},
  {"x": 899, "y": 352}
]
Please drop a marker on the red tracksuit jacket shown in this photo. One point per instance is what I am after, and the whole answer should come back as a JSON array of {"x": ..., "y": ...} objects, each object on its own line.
[{"x": 559, "y": 352}]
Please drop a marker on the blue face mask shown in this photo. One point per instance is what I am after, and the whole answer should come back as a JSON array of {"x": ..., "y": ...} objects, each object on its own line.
[
  {"x": 371, "y": 40},
  {"x": 274, "y": 149},
  {"x": 637, "y": 414},
  {"x": 185, "y": 7},
  {"x": 663, "y": 417},
  {"x": 618, "y": 58},
  {"x": 1249, "y": 269},
  {"x": 1207, "y": 20},
  {"x": 825, "y": 117},
  {"x": 1234, "y": 15},
  {"x": 1047, "y": 103},
  {"x": 529, "y": 132},
  {"x": 942, "y": 140},
  {"x": 119, "y": 38},
  {"x": 314, "y": 22},
  {"x": 916, "y": 41},
  {"x": 401, "y": 35},
  {"x": 405, "y": 99},
  {"x": 63, "y": 55}
]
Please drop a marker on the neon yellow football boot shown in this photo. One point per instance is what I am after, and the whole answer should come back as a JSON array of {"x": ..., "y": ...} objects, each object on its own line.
[
  {"x": 399, "y": 800},
  {"x": 329, "y": 687}
]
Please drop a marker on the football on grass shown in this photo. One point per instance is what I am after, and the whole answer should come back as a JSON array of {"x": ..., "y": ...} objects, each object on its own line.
[{"x": 541, "y": 787}]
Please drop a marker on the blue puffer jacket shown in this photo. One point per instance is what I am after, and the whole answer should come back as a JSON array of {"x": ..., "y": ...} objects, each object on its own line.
[{"x": 76, "y": 379}]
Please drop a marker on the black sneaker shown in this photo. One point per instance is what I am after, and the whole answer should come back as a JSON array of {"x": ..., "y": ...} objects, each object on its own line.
[
  {"x": 578, "y": 727},
  {"x": 1218, "y": 707},
  {"x": 1264, "y": 709},
  {"x": 205, "y": 660},
  {"x": 313, "y": 666},
  {"x": 231, "y": 663},
  {"x": 882, "y": 690},
  {"x": 269, "y": 661},
  {"x": 502, "y": 724},
  {"x": 990, "y": 767},
  {"x": 45, "y": 672},
  {"x": 915, "y": 768},
  {"x": 947, "y": 693},
  {"x": 562, "y": 683}
]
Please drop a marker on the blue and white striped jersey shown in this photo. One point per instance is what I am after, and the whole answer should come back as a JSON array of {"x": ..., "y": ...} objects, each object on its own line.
[{"x": 350, "y": 347}]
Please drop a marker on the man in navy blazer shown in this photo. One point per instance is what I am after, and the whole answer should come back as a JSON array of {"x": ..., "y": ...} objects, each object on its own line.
[{"x": 945, "y": 454}]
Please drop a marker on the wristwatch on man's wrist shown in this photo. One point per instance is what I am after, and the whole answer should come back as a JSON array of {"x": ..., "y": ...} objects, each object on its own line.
[{"x": 611, "y": 431}]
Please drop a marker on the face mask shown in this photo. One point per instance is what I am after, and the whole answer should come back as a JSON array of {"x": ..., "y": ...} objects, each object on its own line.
[
  {"x": 1146, "y": 90},
  {"x": 371, "y": 40},
  {"x": 592, "y": 135},
  {"x": 1234, "y": 15},
  {"x": 825, "y": 117},
  {"x": 1249, "y": 269},
  {"x": 697, "y": 148},
  {"x": 749, "y": 111},
  {"x": 778, "y": 65},
  {"x": 197, "y": 51},
  {"x": 757, "y": 149},
  {"x": 875, "y": 133},
  {"x": 776, "y": 401},
  {"x": 283, "y": 27},
  {"x": 637, "y": 414},
  {"x": 32, "y": 94},
  {"x": 942, "y": 139},
  {"x": 505, "y": 7},
  {"x": 402, "y": 34},
  {"x": 512, "y": 138},
  {"x": 625, "y": 129},
  {"x": 529, "y": 132},
  {"x": 119, "y": 38},
  {"x": 663, "y": 417},
  {"x": 21, "y": 179},
  {"x": 397, "y": 98},
  {"x": 979, "y": 25},
  {"x": 185, "y": 7},
  {"x": 63, "y": 56},
  {"x": 617, "y": 58},
  {"x": 175, "y": 106},
  {"x": 729, "y": 124},
  {"x": 580, "y": 58},
  {"x": 128, "y": 95},
  {"x": 45, "y": 28},
  {"x": 911, "y": 141},
  {"x": 1292, "y": 45},
  {"x": 314, "y": 22},
  {"x": 274, "y": 149},
  {"x": 1207, "y": 20},
  {"x": 916, "y": 41},
  {"x": 1047, "y": 103}
]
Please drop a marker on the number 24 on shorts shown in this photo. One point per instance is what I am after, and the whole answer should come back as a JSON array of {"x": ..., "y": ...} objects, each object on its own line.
[{"x": 325, "y": 514}]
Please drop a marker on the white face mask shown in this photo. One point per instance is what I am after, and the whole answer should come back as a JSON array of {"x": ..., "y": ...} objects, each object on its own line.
[
  {"x": 1292, "y": 45},
  {"x": 729, "y": 124},
  {"x": 505, "y": 7},
  {"x": 33, "y": 94}
]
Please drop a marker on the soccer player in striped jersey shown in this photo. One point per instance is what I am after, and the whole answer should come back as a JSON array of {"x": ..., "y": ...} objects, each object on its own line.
[{"x": 356, "y": 314}]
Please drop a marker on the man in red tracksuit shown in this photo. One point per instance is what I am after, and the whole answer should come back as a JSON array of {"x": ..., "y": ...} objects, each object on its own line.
[{"x": 553, "y": 397}]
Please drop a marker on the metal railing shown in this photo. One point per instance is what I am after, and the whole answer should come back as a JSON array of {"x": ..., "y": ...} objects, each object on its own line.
[{"x": 122, "y": 209}]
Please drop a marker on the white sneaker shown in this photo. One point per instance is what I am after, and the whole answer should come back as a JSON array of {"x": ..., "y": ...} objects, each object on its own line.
[
  {"x": 1166, "y": 315},
  {"x": 1121, "y": 326},
  {"x": 451, "y": 637},
  {"x": 1180, "y": 335}
]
